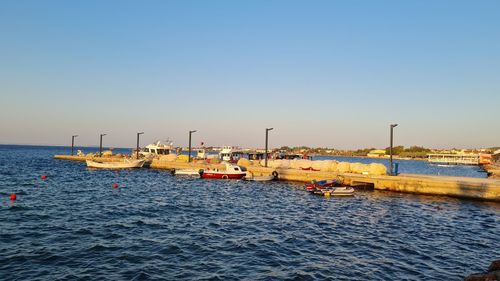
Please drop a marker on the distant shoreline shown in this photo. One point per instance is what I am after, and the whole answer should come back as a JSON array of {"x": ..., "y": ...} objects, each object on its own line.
[
  {"x": 366, "y": 157},
  {"x": 62, "y": 146}
]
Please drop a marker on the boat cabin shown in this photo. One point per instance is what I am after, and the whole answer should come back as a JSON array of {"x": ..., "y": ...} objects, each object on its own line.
[
  {"x": 230, "y": 154},
  {"x": 255, "y": 156},
  {"x": 201, "y": 154},
  {"x": 158, "y": 149},
  {"x": 230, "y": 168}
]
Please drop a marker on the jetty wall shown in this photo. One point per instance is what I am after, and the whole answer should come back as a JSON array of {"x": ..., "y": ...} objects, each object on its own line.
[
  {"x": 463, "y": 187},
  {"x": 493, "y": 170}
]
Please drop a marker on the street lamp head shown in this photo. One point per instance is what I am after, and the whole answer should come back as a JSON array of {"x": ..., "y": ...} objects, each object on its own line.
[
  {"x": 394, "y": 125},
  {"x": 102, "y": 135},
  {"x": 269, "y": 129},
  {"x": 75, "y": 136},
  {"x": 194, "y": 131},
  {"x": 140, "y": 133}
]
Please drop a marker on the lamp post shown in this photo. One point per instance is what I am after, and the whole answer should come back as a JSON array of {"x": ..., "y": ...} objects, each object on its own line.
[
  {"x": 137, "y": 148},
  {"x": 267, "y": 138},
  {"x": 73, "y": 143},
  {"x": 390, "y": 148},
  {"x": 100, "y": 145},
  {"x": 189, "y": 155}
]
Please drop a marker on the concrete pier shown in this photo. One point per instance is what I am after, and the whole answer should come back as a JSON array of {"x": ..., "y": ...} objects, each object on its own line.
[{"x": 462, "y": 187}]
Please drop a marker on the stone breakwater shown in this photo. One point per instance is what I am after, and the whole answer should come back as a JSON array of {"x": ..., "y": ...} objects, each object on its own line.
[
  {"x": 321, "y": 165},
  {"x": 298, "y": 164},
  {"x": 492, "y": 274},
  {"x": 462, "y": 187},
  {"x": 493, "y": 170}
]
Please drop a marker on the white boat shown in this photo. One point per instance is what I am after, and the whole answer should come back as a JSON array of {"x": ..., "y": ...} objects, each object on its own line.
[
  {"x": 127, "y": 164},
  {"x": 231, "y": 172},
  {"x": 336, "y": 191},
  {"x": 260, "y": 178},
  {"x": 187, "y": 172},
  {"x": 201, "y": 154},
  {"x": 230, "y": 154},
  {"x": 158, "y": 149}
]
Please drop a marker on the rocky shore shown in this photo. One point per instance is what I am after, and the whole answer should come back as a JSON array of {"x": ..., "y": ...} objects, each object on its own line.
[{"x": 493, "y": 273}]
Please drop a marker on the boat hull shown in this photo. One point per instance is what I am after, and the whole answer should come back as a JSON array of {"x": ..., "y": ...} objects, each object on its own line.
[
  {"x": 115, "y": 165},
  {"x": 187, "y": 172},
  {"x": 261, "y": 178},
  {"x": 335, "y": 191},
  {"x": 219, "y": 175}
]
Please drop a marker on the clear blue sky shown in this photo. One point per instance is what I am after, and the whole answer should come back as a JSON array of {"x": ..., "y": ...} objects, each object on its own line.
[{"x": 322, "y": 73}]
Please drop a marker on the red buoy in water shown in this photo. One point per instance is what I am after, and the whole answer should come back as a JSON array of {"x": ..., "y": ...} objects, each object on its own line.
[
  {"x": 13, "y": 197},
  {"x": 115, "y": 185},
  {"x": 44, "y": 177}
]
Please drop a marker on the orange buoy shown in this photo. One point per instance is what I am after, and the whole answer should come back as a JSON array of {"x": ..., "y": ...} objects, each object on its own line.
[
  {"x": 115, "y": 185},
  {"x": 43, "y": 177},
  {"x": 13, "y": 197}
]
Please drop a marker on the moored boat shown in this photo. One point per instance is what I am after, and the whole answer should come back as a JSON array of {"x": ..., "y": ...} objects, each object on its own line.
[
  {"x": 231, "y": 172},
  {"x": 320, "y": 184},
  {"x": 158, "y": 149},
  {"x": 335, "y": 191},
  {"x": 187, "y": 172},
  {"x": 260, "y": 178},
  {"x": 126, "y": 164},
  {"x": 329, "y": 188},
  {"x": 230, "y": 154}
]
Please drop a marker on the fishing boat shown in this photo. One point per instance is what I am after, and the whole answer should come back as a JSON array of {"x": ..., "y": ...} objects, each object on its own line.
[
  {"x": 158, "y": 149},
  {"x": 231, "y": 172},
  {"x": 127, "y": 164},
  {"x": 230, "y": 154},
  {"x": 187, "y": 172}
]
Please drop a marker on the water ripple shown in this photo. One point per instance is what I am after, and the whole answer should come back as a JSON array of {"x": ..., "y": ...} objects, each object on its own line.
[{"x": 74, "y": 225}]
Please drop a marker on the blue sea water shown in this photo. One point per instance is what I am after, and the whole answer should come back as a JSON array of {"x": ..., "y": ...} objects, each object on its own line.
[
  {"x": 417, "y": 166},
  {"x": 75, "y": 226}
]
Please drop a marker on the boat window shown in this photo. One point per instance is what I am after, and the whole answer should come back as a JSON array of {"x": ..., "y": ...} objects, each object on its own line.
[
  {"x": 153, "y": 151},
  {"x": 146, "y": 149},
  {"x": 236, "y": 169},
  {"x": 161, "y": 151}
]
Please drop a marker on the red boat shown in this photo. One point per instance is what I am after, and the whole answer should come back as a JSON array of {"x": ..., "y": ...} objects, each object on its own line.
[
  {"x": 329, "y": 188},
  {"x": 320, "y": 185},
  {"x": 231, "y": 172}
]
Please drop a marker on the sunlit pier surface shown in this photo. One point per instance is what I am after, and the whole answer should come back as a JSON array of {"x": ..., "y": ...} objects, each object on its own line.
[{"x": 462, "y": 187}]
